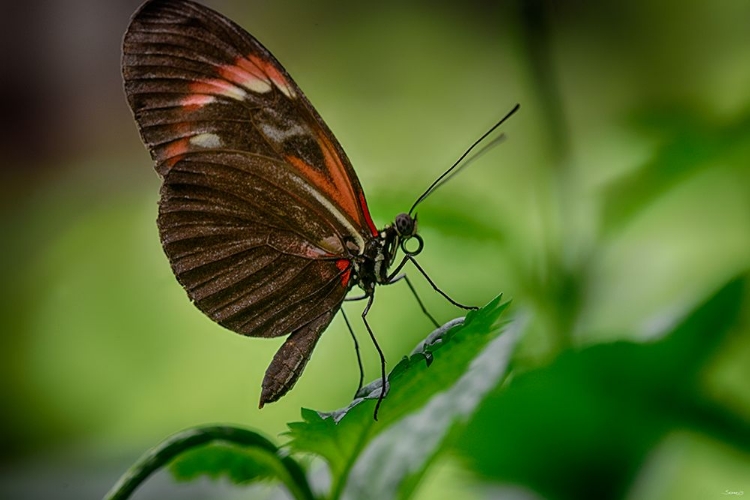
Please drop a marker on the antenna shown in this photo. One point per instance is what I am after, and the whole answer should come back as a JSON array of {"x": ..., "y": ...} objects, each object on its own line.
[{"x": 444, "y": 177}]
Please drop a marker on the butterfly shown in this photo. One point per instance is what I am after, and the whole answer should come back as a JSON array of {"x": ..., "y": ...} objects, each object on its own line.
[{"x": 261, "y": 214}]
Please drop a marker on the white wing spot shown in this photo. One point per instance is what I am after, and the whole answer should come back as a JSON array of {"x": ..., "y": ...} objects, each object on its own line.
[
  {"x": 206, "y": 141},
  {"x": 235, "y": 93},
  {"x": 227, "y": 89},
  {"x": 278, "y": 134},
  {"x": 256, "y": 85},
  {"x": 285, "y": 89}
]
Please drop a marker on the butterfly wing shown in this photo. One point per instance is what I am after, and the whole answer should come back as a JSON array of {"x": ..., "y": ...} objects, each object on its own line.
[
  {"x": 197, "y": 81},
  {"x": 260, "y": 206}
]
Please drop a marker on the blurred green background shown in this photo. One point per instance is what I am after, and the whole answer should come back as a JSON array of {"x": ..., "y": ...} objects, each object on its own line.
[{"x": 619, "y": 202}]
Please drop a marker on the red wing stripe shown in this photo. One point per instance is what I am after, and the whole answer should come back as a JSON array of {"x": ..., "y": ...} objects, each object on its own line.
[
  {"x": 344, "y": 265},
  {"x": 366, "y": 211}
]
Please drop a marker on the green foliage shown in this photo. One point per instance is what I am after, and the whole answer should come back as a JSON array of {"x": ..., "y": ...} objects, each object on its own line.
[
  {"x": 239, "y": 464},
  {"x": 449, "y": 394},
  {"x": 618, "y": 204},
  {"x": 687, "y": 144},
  {"x": 240, "y": 454},
  {"x": 424, "y": 403},
  {"x": 433, "y": 392},
  {"x": 606, "y": 440}
]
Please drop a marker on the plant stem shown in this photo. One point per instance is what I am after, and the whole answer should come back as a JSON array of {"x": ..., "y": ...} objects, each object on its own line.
[{"x": 287, "y": 469}]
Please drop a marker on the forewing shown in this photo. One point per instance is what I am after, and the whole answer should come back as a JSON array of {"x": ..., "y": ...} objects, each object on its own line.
[{"x": 198, "y": 82}]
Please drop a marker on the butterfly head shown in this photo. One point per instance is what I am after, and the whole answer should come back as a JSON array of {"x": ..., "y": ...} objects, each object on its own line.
[{"x": 406, "y": 228}]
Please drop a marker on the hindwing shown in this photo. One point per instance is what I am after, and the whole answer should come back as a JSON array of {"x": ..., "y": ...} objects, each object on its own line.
[{"x": 250, "y": 258}]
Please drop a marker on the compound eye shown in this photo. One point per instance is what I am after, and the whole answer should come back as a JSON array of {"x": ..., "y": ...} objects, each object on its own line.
[{"x": 405, "y": 226}]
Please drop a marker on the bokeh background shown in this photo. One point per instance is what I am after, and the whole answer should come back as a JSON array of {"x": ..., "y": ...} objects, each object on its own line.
[{"x": 619, "y": 202}]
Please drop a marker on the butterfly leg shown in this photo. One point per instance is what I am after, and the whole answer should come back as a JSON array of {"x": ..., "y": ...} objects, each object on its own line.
[
  {"x": 358, "y": 297},
  {"x": 356, "y": 349},
  {"x": 409, "y": 258},
  {"x": 380, "y": 353},
  {"x": 414, "y": 292}
]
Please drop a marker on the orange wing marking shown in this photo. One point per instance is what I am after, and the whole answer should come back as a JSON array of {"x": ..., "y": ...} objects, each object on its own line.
[
  {"x": 270, "y": 70},
  {"x": 317, "y": 185},
  {"x": 342, "y": 190},
  {"x": 219, "y": 87},
  {"x": 168, "y": 155},
  {"x": 245, "y": 75},
  {"x": 195, "y": 101}
]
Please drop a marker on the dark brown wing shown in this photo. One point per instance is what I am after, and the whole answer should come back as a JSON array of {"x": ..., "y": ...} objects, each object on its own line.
[
  {"x": 259, "y": 205},
  {"x": 290, "y": 360},
  {"x": 234, "y": 233},
  {"x": 196, "y": 81}
]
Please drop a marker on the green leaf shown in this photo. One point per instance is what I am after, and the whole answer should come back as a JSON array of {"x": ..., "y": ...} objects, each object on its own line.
[
  {"x": 239, "y": 464},
  {"x": 583, "y": 426},
  {"x": 240, "y": 454},
  {"x": 386, "y": 458},
  {"x": 690, "y": 143}
]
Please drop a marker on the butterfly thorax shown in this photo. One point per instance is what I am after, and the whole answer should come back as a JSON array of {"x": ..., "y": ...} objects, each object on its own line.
[{"x": 371, "y": 267}]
